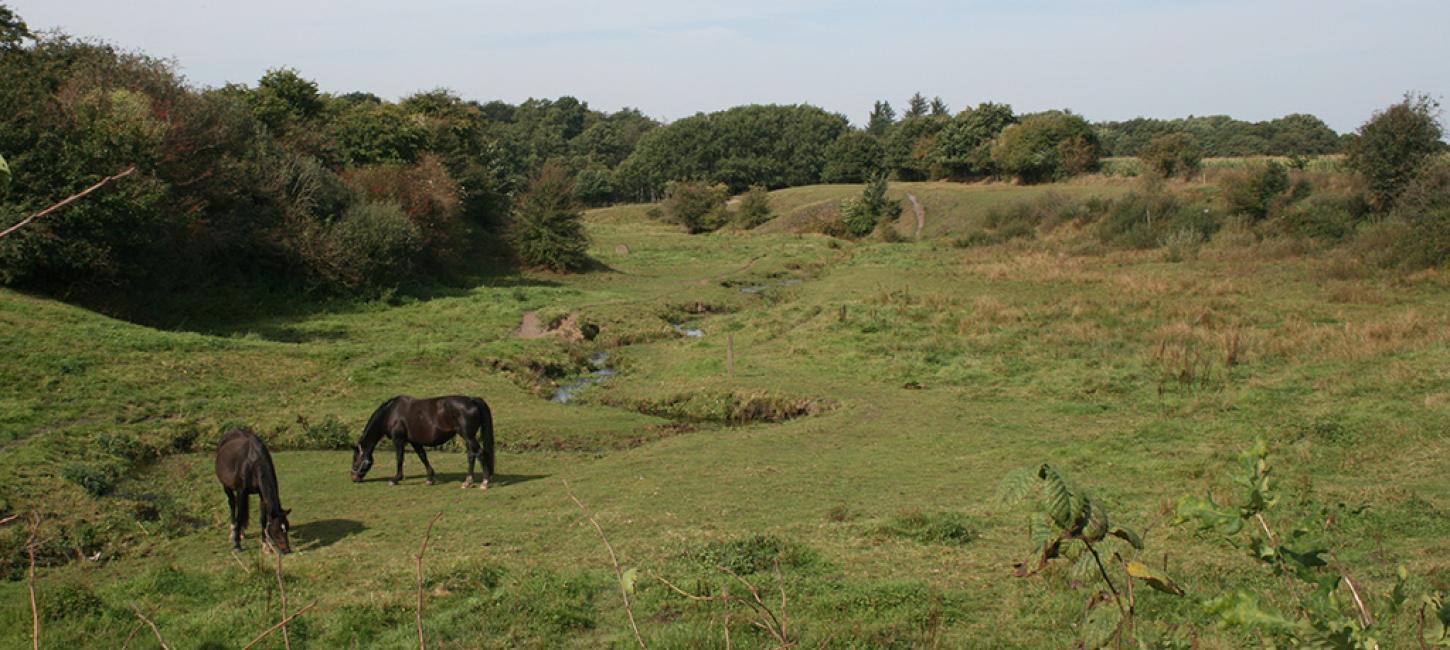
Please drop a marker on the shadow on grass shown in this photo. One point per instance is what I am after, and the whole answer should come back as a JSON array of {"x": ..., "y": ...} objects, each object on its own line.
[{"x": 324, "y": 532}]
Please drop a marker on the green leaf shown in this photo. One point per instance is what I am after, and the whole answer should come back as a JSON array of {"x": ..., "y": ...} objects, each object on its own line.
[
  {"x": 1243, "y": 610},
  {"x": 628, "y": 578},
  {"x": 1154, "y": 579},
  {"x": 1018, "y": 486},
  {"x": 1209, "y": 515},
  {"x": 1096, "y": 525},
  {"x": 1128, "y": 536},
  {"x": 1057, "y": 497}
]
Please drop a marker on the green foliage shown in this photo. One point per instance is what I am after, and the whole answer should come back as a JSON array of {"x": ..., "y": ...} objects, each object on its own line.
[
  {"x": 964, "y": 146},
  {"x": 1257, "y": 193},
  {"x": 853, "y": 158},
  {"x": 696, "y": 206},
  {"x": 283, "y": 98},
  {"x": 774, "y": 146},
  {"x": 367, "y": 133},
  {"x": 1065, "y": 521},
  {"x": 1393, "y": 145},
  {"x": 1222, "y": 136},
  {"x": 917, "y": 106},
  {"x": 754, "y": 208},
  {"x": 881, "y": 118},
  {"x": 1046, "y": 146},
  {"x": 376, "y": 244},
  {"x": 1331, "y": 611},
  {"x": 547, "y": 230},
  {"x": 4, "y": 177},
  {"x": 861, "y": 216},
  {"x": 909, "y": 144},
  {"x": 1176, "y": 154}
]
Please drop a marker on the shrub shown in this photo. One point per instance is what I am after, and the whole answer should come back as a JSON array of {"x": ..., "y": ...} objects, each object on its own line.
[
  {"x": 547, "y": 230},
  {"x": 1393, "y": 144},
  {"x": 754, "y": 208},
  {"x": 696, "y": 206},
  {"x": 860, "y": 216},
  {"x": 1046, "y": 146},
  {"x": 429, "y": 198},
  {"x": 1175, "y": 154},
  {"x": 1257, "y": 192},
  {"x": 1325, "y": 216},
  {"x": 1424, "y": 207},
  {"x": 375, "y": 243}
]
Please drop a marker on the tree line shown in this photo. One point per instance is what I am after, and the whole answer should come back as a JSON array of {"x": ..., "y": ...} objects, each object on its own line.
[{"x": 279, "y": 183}]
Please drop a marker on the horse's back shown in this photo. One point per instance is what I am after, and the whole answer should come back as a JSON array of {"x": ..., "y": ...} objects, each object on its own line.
[{"x": 237, "y": 454}]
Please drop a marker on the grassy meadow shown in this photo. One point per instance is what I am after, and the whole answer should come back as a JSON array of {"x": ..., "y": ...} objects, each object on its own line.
[{"x": 848, "y": 467}]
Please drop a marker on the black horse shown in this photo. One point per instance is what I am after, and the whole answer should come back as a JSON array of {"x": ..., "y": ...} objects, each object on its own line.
[
  {"x": 428, "y": 422},
  {"x": 244, "y": 467}
]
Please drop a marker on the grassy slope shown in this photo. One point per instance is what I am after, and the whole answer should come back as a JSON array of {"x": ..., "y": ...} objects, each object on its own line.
[{"x": 1021, "y": 356}]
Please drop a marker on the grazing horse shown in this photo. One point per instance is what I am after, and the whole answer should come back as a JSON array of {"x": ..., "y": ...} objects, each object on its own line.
[
  {"x": 244, "y": 467},
  {"x": 428, "y": 423}
]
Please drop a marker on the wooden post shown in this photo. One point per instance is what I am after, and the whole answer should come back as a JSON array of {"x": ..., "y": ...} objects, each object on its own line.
[
  {"x": 843, "y": 314},
  {"x": 730, "y": 354}
]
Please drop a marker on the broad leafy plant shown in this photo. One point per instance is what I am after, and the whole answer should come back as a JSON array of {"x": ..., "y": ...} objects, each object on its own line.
[
  {"x": 1328, "y": 608},
  {"x": 1067, "y": 522}
]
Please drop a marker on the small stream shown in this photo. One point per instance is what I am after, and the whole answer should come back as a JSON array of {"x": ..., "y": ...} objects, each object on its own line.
[{"x": 601, "y": 371}]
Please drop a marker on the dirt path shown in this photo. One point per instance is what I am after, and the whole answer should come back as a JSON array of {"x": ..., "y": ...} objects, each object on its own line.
[
  {"x": 530, "y": 328},
  {"x": 920, "y": 214}
]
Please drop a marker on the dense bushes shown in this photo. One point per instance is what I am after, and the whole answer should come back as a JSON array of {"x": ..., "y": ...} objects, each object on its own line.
[
  {"x": 275, "y": 184},
  {"x": 1394, "y": 144},
  {"x": 696, "y": 206},
  {"x": 1223, "y": 136},
  {"x": 1046, "y": 146},
  {"x": 1175, "y": 154},
  {"x": 547, "y": 231},
  {"x": 861, "y": 216}
]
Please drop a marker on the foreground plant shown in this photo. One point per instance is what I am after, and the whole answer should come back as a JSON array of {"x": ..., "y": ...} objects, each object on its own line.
[
  {"x": 1328, "y": 608},
  {"x": 1067, "y": 522}
]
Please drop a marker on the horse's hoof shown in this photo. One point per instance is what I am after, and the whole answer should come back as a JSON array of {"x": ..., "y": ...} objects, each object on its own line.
[
  {"x": 467, "y": 484},
  {"x": 483, "y": 485},
  {"x": 430, "y": 481},
  {"x": 393, "y": 482}
]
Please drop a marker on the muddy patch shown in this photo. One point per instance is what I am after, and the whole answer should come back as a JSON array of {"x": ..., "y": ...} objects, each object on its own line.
[{"x": 567, "y": 328}]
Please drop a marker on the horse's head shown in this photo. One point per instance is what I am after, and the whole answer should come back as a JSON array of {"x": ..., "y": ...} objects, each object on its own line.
[
  {"x": 276, "y": 533},
  {"x": 361, "y": 463}
]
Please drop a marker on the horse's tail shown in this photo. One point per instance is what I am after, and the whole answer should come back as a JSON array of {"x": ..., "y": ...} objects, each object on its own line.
[{"x": 485, "y": 434}]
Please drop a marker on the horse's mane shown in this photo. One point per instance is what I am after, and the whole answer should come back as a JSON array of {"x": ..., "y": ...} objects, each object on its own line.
[
  {"x": 267, "y": 475},
  {"x": 373, "y": 422}
]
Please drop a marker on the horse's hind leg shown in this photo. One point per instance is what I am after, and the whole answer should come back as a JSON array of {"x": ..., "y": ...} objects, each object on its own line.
[
  {"x": 398, "y": 445},
  {"x": 234, "y": 535},
  {"x": 473, "y": 452},
  {"x": 423, "y": 456}
]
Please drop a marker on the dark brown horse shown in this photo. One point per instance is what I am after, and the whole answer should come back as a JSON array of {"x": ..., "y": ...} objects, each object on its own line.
[
  {"x": 428, "y": 423},
  {"x": 244, "y": 467}
]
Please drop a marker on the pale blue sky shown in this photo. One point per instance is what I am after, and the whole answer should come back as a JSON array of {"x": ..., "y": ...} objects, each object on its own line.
[{"x": 1105, "y": 59}]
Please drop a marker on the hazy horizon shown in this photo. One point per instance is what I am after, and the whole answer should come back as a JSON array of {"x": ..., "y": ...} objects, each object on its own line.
[{"x": 1107, "y": 59}]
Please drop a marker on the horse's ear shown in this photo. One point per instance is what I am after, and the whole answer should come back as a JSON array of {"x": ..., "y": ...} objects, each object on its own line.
[{"x": 286, "y": 511}]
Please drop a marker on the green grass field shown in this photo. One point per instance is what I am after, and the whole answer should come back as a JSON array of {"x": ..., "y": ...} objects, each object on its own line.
[{"x": 930, "y": 372}]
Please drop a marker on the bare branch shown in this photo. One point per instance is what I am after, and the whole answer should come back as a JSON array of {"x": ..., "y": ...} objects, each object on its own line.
[
  {"x": 613, "y": 559},
  {"x": 281, "y": 589},
  {"x": 30, "y": 582},
  {"x": 280, "y": 625},
  {"x": 148, "y": 622},
  {"x": 67, "y": 201},
  {"x": 423, "y": 548}
]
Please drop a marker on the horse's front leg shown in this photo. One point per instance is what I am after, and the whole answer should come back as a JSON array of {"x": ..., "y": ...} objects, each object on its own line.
[
  {"x": 236, "y": 531},
  {"x": 423, "y": 456},
  {"x": 398, "y": 445}
]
